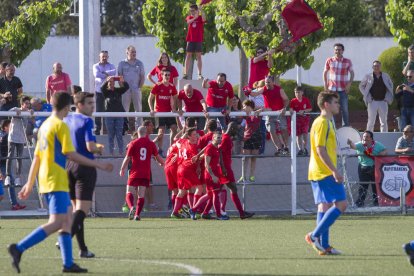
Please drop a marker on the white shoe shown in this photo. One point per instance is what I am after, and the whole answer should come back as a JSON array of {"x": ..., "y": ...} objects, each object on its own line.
[
  {"x": 7, "y": 181},
  {"x": 331, "y": 251},
  {"x": 17, "y": 182},
  {"x": 223, "y": 213}
]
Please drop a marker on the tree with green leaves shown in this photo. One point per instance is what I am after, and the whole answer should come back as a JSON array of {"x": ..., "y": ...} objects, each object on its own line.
[
  {"x": 249, "y": 24},
  {"x": 165, "y": 19},
  {"x": 29, "y": 29},
  {"x": 400, "y": 18}
]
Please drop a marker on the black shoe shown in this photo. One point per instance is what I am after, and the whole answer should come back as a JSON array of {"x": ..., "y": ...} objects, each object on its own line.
[
  {"x": 305, "y": 152},
  {"x": 300, "y": 153},
  {"x": 16, "y": 255},
  {"x": 206, "y": 216},
  {"x": 247, "y": 215},
  {"x": 97, "y": 132},
  {"x": 410, "y": 253},
  {"x": 131, "y": 213},
  {"x": 74, "y": 269},
  {"x": 137, "y": 218},
  {"x": 86, "y": 254}
]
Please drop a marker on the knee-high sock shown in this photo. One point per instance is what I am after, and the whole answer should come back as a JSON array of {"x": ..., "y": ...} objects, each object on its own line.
[
  {"x": 32, "y": 239},
  {"x": 140, "y": 206},
  {"x": 185, "y": 201},
  {"x": 190, "y": 199},
  {"x": 236, "y": 200},
  {"x": 173, "y": 197},
  {"x": 328, "y": 219},
  {"x": 129, "y": 199},
  {"x": 78, "y": 229},
  {"x": 324, "y": 236},
  {"x": 216, "y": 203},
  {"x": 196, "y": 199},
  {"x": 209, "y": 203},
  {"x": 199, "y": 204},
  {"x": 223, "y": 199},
  {"x": 65, "y": 241},
  {"x": 178, "y": 204}
]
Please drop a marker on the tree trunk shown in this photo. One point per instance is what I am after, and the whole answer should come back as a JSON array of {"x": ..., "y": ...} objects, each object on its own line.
[
  {"x": 5, "y": 55},
  {"x": 244, "y": 72},
  {"x": 190, "y": 70}
]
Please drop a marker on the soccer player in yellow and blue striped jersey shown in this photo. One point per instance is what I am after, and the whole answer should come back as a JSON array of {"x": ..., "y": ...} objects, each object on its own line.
[
  {"x": 326, "y": 180},
  {"x": 54, "y": 146}
]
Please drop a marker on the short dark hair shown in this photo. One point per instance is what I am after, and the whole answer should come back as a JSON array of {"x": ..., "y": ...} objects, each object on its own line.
[
  {"x": 165, "y": 70},
  {"x": 371, "y": 134},
  {"x": 339, "y": 45},
  {"x": 376, "y": 61},
  {"x": 194, "y": 6},
  {"x": 61, "y": 100},
  {"x": 80, "y": 97},
  {"x": 24, "y": 98},
  {"x": 5, "y": 123},
  {"x": 263, "y": 48},
  {"x": 190, "y": 130},
  {"x": 4, "y": 64},
  {"x": 326, "y": 97},
  {"x": 190, "y": 121},
  {"x": 222, "y": 75},
  {"x": 212, "y": 125},
  {"x": 146, "y": 123},
  {"x": 411, "y": 47},
  {"x": 77, "y": 88},
  {"x": 249, "y": 103},
  {"x": 299, "y": 88}
]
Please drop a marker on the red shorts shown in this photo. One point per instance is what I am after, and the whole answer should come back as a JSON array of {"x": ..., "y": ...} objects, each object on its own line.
[
  {"x": 229, "y": 178},
  {"x": 135, "y": 182},
  {"x": 187, "y": 178},
  {"x": 302, "y": 125},
  {"x": 171, "y": 176},
  {"x": 210, "y": 185}
]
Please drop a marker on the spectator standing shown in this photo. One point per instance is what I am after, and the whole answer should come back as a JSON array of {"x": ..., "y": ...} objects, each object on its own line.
[
  {"x": 337, "y": 78},
  {"x": 195, "y": 36},
  {"x": 3, "y": 66},
  {"x": 193, "y": 102},
  {"x": 409, "y": 64},
  {"x": 17, "y": 140},
  {"x": 4, "y": 138},
  {"x": 58, "y": 81},
  {"x": 132, "y": 69},
  {"x": 259, "y": 104},
  {"x": 405, "y": 92},
  {"x": 300, "y": 104},
  {"x": 11, "y": 83},
  {"x": 260, "y": 65},
  {"x": 113, "y": 103},
  {"x": 366, "y": 150},
  {"x": 219, "y": 95},
  {"x": 405, "y": 142},
  {"x": 163, "y": 62},
  {"x": 101, "y": 71},
  {"x": 377, "y": 89}
]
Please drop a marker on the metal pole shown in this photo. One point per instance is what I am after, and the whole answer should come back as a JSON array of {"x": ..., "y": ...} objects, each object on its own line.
[
  {"x": 403, "y": 206},
  {"x": 244, "y": 182},
  {"x": 293, "y": 162},
  {"x": 298, "y": 76}
]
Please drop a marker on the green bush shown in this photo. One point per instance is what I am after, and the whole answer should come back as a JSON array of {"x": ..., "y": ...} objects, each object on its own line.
[{"x": 392, "y": 63}]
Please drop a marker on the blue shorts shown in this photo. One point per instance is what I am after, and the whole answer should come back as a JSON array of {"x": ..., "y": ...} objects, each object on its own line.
[
  {"x": 1, "y": 188},
  {"x": 328, "y": 190},
  {"x": 58, "y": 202}
]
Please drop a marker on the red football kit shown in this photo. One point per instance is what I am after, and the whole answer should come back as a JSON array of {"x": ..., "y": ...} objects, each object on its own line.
[
  {"x": 217, "y": 96},
  {"x": 195, "y": 31},
  {"x": 273, "y": 98},
  {"x": 226, "y": 147},
  {"x": 302, "y": 122},
  {"x": 214, "y": 154},
  {"x": 157, "y": 70},
  {"x": 192, "y": 104},
  {"x": 163, "y": 94},
  {"x": 187, "y": 170},
  {"x": 140, "y": 152},
  {"x": 170, "y": 167},
  {"x": 258, "y": 71}
]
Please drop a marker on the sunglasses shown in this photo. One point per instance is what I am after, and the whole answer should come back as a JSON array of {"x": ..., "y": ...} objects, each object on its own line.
[
  {"x": 409, "y": 77},
  {"x": 167, "y": 75}
]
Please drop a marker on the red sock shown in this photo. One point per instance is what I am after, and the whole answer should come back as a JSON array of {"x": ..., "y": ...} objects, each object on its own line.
[
  {"x": 185, "y": 201},
  {"x": 196, "y": 199},
  {"x": 178, "y": 205},
  {"x": 129, "y": 199},
  {"x": 140, "y": 206},
  {"x": 190, "y": 199},
  {"x": 237, "y": 203},
  {"x": 223, "y": 199},
  {"x": 216, "y": 203},
  {"x": 173, "y": 197}
]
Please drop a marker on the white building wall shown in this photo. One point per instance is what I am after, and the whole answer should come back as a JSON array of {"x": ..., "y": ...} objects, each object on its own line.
[{"x": 34, "y": 70}]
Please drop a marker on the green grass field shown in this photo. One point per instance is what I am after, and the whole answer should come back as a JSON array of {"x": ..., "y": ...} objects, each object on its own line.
[{"x": 371, "y": 246}]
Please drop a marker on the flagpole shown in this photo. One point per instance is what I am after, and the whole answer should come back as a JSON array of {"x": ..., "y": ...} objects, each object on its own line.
[{"x": 299, "y": 75}]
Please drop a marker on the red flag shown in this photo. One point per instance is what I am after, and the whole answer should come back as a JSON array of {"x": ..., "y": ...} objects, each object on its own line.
[
  {"x": 203, "y": 2},
  {"x": 301, "y": 19}
]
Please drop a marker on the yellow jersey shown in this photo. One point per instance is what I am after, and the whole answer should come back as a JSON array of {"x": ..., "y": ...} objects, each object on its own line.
[
  {"x": 53, "y": 143},
  {"x": 322, "y": 134}
]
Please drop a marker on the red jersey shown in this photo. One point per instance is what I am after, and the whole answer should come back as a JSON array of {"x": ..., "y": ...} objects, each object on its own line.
[
  {"x": 252, "y": 125},
  {"x": 140, "y": 152},
  {"x": 216, "y": 96},
  {"x": 205, "y": 140},
  {"x": 214, "y": 154},
  {"x": 258, "y": 71},
  {"x": 195, "y": 32},
  {"x": 187, "y": 152},
  {"x": 172, "y": 152},
  {"x": 163, "y": 94},
  {"x": 226, "y": 147},
  {"x": 157, "y": 71},
  {"x": 273, "y": 98},
  {"x": 296, "y": 105},
  {"x": 200, "y": 133},
  {"x": 192, "y": 104}
]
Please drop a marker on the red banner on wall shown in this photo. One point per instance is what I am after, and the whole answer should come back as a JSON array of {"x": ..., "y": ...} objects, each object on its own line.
[{"x": 392, "y": 173}]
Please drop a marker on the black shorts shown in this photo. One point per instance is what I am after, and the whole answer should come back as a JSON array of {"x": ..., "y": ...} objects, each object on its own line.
[
  {"x": 254, "y": 143},
  {"x": 194, "y": 47},
  {"x": 166, "y": 122},
  {"x": 82, "y": 180}
]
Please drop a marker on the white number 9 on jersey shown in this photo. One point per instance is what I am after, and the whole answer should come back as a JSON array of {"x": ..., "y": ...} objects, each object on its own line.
[{"x": 142, "y": 154}]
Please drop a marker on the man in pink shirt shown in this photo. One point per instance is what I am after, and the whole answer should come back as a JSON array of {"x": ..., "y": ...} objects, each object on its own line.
[{"x": 57, "y": 82}]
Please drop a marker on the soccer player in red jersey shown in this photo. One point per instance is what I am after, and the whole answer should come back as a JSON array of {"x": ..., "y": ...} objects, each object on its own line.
[
  {"x": 195, "y": 37},
  {"x": 188, "y": 170},
  {"x": 165, "y": 96},
  {"x": 228, "y": 179},
  {"x": 139, "y": 152},
  {"x": 163, "y": 62},
  {"x": 170, "y": 169}
]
